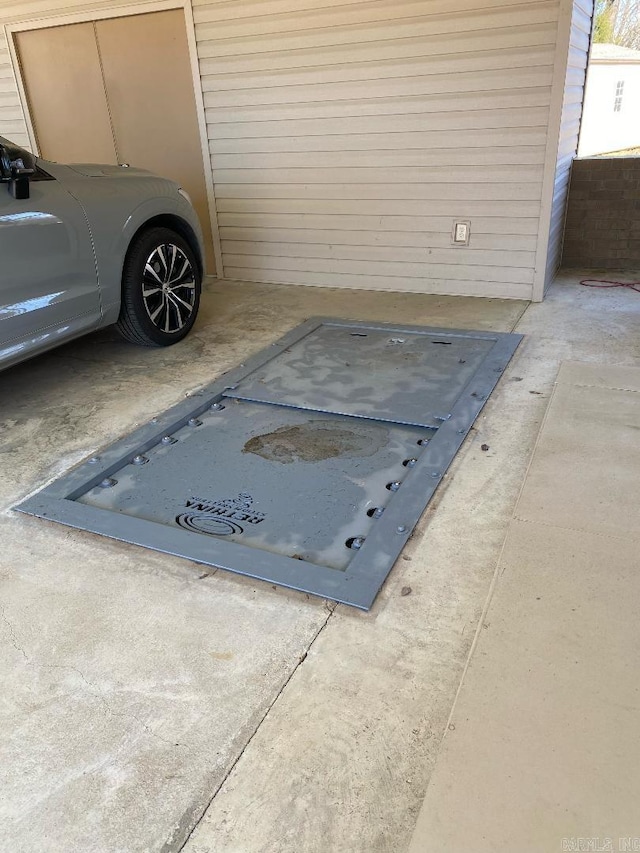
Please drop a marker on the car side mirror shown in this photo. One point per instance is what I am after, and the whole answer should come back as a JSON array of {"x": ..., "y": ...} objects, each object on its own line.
[
  {"x": 19, "y": 183},
  {"x": 15, "y": 174}
]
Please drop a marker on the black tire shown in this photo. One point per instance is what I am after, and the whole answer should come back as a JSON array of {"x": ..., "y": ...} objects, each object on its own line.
[{"x": 161, "y": 286}]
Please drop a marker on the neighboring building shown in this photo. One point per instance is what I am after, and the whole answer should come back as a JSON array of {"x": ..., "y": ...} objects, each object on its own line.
[
  {"x": 611, "y": 112},
  {"x": 338, "y": 140}
]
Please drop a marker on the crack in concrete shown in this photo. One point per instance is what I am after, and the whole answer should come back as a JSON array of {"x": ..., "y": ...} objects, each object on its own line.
[
  {"x": 109, "y": 711},
  {"x": 518, "y": 319},
  {"x": 92, "y": 689},
  {"x": 191, "y": 819},
  {"x": 12, "y": 634}
]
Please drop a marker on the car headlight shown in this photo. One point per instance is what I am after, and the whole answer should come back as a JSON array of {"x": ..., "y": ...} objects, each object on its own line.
[{"x": 186, "y": 195}]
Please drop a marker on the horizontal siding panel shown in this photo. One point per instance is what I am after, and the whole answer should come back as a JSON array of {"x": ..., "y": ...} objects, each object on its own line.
[
  {"x": 227, "y": 25},
  {"x": 362, "y": 175},
  {"x": 390, "y": 87},
  {"x": 534, "y": 117},
  {"x": 403, "y": 192},
  {"x": 382, "y": 268},
  {"x": 585, "y": 6},
  {"x": 567, "y": 149},
  {"x": 493, "y": 139},
  {"x": 387, "y": 207},
  {"x": 480, "y": 138},
  {"x": 560, "y": 189},
  {"x": 568, "y": 134},
  {"x": 10, "y": 116},
  {"x": 438, "y": 158},
  {"x": 572, "y": 112},
  {"x": 552, "y": 267},
  {"x": 582, "y": 21},
  {"x": 12, "y": 123},
  {"x": 576, "y": 76},
  {"x": 573, "y": 97},
  {"x": 565, "y": 161},
  {"x": 488, "y": 232},
  {"x": 437, "y": 239},
  {"x": 445, "y": 287},
  {"x": 555, "y": 239},
  {"x": 499, "y": 39},
  {"x": 21, "y": 139},
  {"x": 374, "y": 13},
  {"x": 557, "y": 223},
  {"x": 13, "y": 130},
  {"x": 8, "y": 100},
  {"x": 417, "y": 257},
  {"x": 387, "y": 30},
  {"x": 556, "y": 235},
  {"x": 224, "y": 10},
  {"x": 557, "y": 227},
  {"x": 577, "y": 58},
  {"x": 555, "y": 249},
  {"x": 411, "y": 105},
  {"x": 580, "y": 40},
  {"x": 575, "y": 88},
  {"x": 374, "y": 72}
]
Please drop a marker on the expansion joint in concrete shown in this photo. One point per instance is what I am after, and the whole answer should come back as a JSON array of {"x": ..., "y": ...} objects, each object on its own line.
[{"x": 188, "y": 826}]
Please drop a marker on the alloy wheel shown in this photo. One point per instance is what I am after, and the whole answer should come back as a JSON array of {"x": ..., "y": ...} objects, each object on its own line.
[{"x": 168, "y": 288}]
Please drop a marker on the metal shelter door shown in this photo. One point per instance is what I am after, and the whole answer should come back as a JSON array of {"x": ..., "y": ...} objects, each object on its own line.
[{"x": 308, "y": 466}]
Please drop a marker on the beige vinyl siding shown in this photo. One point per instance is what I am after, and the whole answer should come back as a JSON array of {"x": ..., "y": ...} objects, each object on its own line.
[
  {"x": 569, "y": 129},
  {"x": 11, "y": 117},
  {"x": 346, "y": 137}
]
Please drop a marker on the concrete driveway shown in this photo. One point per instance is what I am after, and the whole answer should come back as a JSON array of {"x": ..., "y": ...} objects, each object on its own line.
[{"x": 151, "y": 704}]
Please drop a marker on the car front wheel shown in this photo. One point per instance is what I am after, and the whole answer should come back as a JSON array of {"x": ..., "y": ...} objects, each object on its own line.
[{"x": 161, "y": 286}]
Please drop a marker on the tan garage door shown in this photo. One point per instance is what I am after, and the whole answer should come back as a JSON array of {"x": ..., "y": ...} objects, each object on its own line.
[{"x": 118, "y": 91}]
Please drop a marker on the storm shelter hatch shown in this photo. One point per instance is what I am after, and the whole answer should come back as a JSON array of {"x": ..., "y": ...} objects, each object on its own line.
[{"x": 308, "y": 466}]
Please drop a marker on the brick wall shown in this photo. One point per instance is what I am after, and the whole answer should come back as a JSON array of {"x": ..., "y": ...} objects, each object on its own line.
[{"x": 603, "y": 214}]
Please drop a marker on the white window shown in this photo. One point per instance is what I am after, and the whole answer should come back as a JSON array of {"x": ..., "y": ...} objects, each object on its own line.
[{"x": 617, "y": 102}]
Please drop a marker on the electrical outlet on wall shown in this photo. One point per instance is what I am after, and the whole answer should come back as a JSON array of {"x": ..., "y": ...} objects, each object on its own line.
[{"x": 461, "y": 232}]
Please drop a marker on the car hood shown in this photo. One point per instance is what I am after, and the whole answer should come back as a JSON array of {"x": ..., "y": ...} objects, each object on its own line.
[{"x": 100, "y": 170}]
